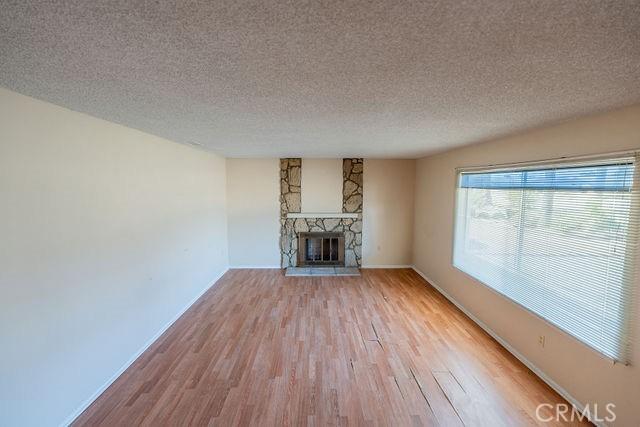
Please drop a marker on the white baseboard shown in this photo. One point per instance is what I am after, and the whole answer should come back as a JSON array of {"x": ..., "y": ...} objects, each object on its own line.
[
  {"x": 387, "y": 266},
  {"x": 240, "y": 267},
  {"x": 133, "y": 358},
  {"x": 544, "y": 377}
]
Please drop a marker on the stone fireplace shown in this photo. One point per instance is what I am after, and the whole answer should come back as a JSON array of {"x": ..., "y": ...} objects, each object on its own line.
[{"x": 294, "y": 223}]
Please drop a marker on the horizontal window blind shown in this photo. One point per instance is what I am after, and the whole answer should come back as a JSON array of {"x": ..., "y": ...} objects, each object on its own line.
[{"x": 560, "y": 241}]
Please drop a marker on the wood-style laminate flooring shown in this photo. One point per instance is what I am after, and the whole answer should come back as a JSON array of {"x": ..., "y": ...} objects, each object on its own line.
[{"x": 263, "y": 349}]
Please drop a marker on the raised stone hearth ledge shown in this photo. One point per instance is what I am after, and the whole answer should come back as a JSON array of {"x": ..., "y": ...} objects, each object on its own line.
[{"x": 323, "y": 215}]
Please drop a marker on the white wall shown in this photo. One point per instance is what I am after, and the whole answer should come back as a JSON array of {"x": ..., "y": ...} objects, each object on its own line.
[
  {"x": 106, "y": 234},
  {"x": 587, "y": 376},
  {"x": 253, "y": 208},
  {"x": 388, "y": 209},
  {"x": 321, "y": 185}
]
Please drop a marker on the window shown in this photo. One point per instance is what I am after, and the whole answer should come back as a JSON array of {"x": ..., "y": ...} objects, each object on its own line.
[{"x": 560, "y": 240}]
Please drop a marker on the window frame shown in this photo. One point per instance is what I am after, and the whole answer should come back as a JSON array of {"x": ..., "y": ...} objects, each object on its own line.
[{"x": 595, "y": 160}]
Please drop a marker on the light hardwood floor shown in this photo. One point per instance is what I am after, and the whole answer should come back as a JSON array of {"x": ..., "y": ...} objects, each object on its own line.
[{"x": 382, "y": 349}]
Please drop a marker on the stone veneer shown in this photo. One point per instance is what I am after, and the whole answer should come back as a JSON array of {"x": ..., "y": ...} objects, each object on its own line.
[{"x": 290, "y": 202}]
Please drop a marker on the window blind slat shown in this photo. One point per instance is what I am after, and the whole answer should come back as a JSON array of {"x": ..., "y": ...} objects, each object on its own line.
[
  {"x": 558, "y": 240},
  {"x": 600, "y": 178}
]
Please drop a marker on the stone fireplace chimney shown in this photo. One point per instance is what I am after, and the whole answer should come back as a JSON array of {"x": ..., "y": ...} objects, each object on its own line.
[{"x": 345, "y": 225}]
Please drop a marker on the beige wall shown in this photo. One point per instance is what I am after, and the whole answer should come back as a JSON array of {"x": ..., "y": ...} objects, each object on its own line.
[
  {"x": 321, "y": 185},
  {"x": 388, "y": 210},
  {"x": 107, "y": 234},
  {"x": 253, "y": 212},
  {"x": 586, "y": 375}
]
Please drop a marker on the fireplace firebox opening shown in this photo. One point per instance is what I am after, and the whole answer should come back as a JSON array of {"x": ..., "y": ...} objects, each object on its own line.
[{"x": 321, "y": 248}]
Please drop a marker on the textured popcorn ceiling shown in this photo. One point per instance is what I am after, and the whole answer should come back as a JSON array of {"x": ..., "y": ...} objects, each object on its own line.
[{"x": 325, "y": 78}]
